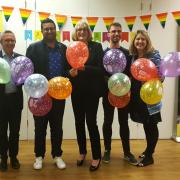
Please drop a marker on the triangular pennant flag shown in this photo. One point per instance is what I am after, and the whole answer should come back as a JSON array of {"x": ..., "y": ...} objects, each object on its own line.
[
  {"x": 130, "y": 21},
  {"x": 43, "y": 15},
  {"x": 61, "y": 20},
  {"x": 176, "y": 15},
  {"x": 162, "y": 18},
  {"x": 92, "y": 22},
  {"x": 146, "y": 20},
  {"x": 75, "y": 19},
  {"x": 7, "y": 12},
  {"x": 25, "y": 13},
  {"x": 108, "y": 21}
]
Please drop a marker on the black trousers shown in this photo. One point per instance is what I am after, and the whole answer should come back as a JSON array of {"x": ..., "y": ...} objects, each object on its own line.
[
  {"x": 107, "y": 125},
  {"x": 55, "y": 119},
  {"x": 152, "y": 135},
  {"x": 85, "y": 109},
  {"x": 10, "y": 115}
]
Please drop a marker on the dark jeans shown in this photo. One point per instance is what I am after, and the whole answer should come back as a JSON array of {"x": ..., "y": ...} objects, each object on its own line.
[
  {"x": 107, "y": 125},
  {"x": 55, "y": 119},
  {"x": 9, "y": 115},
  {"x": 85, "y": 109}
]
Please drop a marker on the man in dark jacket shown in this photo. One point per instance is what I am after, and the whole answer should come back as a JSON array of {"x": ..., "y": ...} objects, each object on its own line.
[
  {"x": 11, "y": 105},
  {"x": 49, "y": 59}
]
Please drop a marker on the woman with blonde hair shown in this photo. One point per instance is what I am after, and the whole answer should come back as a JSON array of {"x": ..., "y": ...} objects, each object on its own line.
[
  {"x": 88, "y": 87},
  {"x": 141, "y": 47}
]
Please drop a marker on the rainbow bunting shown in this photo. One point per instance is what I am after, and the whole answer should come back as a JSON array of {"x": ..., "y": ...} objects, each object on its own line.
[
  {"x": 162, "y": 18},
  {"x": 130, "y": 21},
  {"x": 108, "y": 21},
  {"x": 176, "y": 15},
  {"x": 75, "y": 19},
  {"x": 7, "y": 12},
  {"x": 146, "y": 20},
  {"x": 43, "y": 15},
  {"x": 25, "y": 13},
  {"x": 92, "y": 22},
  {"x": 60, "y": 19}
]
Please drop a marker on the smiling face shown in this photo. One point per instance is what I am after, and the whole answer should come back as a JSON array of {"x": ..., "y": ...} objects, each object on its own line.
[
  {"x": 115, "y": 34},
  {"x": 140, "y": 43},
  {"x": 82, "y": 33},
  {"x": 49, "y": 32},
  {"x": 8, "y": 42}
]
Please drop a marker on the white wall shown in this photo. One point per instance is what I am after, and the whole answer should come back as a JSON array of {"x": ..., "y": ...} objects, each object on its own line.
[{"x": 165, "y": 40}]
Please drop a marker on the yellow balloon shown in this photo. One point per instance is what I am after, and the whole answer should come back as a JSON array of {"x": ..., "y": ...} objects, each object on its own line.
[
  {"x": 151, "y": 91},
  {"x": 59, "y": 87}
]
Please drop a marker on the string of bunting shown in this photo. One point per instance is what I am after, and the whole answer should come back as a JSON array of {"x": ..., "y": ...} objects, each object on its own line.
[{"x": 61, "y": 19}]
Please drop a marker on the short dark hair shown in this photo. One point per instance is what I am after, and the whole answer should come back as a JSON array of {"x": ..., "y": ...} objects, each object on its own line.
[
  {"x": 114, "y": 24},
  {"x": 47, "y": 20}
]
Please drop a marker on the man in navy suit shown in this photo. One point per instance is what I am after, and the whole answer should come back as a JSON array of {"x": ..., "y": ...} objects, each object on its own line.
[{"x": 11, "y": 105}]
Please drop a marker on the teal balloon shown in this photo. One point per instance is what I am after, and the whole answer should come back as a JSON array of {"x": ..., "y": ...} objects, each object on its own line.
[
  {"x": 119, "y": 84},
  {"x": 5, "y": 72}
]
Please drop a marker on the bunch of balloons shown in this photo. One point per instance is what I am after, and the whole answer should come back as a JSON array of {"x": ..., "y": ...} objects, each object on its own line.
[
  {"x": 77, "y": 54},
  {"x": 119, "y": 84},
  {"x": 146, "y": 71}
]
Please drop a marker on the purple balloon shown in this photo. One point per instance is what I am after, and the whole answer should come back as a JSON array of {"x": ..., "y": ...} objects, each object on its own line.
[
  {"x": 170, "y": 65},
  {"x": 21, "y": 68},
  {"x": 114, "y": 61}
]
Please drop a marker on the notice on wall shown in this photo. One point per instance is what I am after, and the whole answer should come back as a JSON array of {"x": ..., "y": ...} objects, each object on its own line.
[{"x": 1, "y": 21}]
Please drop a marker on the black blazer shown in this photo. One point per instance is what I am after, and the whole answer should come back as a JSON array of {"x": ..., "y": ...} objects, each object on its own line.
[
  {"x": 19, "y": 94},
  {"x": 38, "y": 53},
  {"x": 91, "y": 80}
]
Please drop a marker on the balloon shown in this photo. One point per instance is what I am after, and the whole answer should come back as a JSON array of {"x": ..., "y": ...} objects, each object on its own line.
[
  {"x": 21, "y": 68},
  {"x": 119, "y": 84},
  {"x": 77, "y": 54},
  {"x": 114, "y": 61},
  {"x": 151, "y": 91},
  {"x": 36, "y": 85},
  {"x": 144, "y": 69},
  {"x": 170, "y": 65},
  {"x": 5, "y": 73},
  {"x": 40, "y": 106},
  {"x": 59, "y": 88},
  {"x": 119, "y": 101}
]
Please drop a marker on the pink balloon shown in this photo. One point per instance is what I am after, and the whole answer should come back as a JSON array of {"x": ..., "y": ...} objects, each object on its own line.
[{"x": 40, "y": 106}]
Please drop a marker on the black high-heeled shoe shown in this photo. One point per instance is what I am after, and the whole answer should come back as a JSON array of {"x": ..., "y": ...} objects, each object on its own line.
[
  {"x": 80, "y": 162},
  {"x": 94, "y": 168}
]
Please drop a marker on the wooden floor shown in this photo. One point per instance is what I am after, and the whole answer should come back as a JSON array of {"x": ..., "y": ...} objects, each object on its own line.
[{"x": 166, "y": 167}]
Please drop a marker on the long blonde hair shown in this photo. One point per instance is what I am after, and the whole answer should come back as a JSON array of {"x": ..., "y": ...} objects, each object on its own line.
[{"x": 148, "y": 49}]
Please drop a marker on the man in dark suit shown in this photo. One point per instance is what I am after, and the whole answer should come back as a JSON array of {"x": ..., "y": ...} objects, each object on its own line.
[
  {"x": 11, "y": 105},
  {"x": 49, "y": 59}
]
